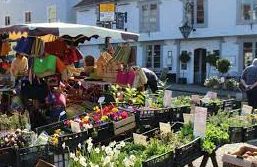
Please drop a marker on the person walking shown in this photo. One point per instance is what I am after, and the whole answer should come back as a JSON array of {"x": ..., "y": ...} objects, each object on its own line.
[{"x": 249, "y": 81}]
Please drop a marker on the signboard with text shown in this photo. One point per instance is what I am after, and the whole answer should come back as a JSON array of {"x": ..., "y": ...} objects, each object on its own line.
[{"x": 107, "y": 12}]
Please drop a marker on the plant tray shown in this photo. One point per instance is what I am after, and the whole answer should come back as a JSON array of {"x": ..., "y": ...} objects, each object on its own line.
[
  {"x": 188, "y": 153},
  {"x": 124, "y": 125},
  {"x": 177, "y": 113},
  {"x": 152, "y": 117},
  {"x": 236, "y": 134},
  {"x": 250, "y": 133},
  {"x": 8, "y": 157}
]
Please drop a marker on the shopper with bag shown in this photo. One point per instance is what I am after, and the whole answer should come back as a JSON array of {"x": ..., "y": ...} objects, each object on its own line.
[{"x": 249, "y": 82}]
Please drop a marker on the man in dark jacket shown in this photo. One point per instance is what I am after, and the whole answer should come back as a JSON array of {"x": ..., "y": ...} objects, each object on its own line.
[{"x": 152, "y": 80}]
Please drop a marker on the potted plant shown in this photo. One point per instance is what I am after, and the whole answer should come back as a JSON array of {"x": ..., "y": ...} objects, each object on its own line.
[
  {"x": 212, "y": 59},
  {"x": 184, "y": 59},
  {"x": 223, "y": 66}
]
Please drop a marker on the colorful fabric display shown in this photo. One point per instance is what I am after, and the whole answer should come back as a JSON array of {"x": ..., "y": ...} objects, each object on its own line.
[
  {"x": 57, "y": 47},
  {"x": 5, "y": 48},
  {"x": 37, "y": 47},
  {"x": 45, "y": 66},
  {"x": 24, "y": 45},
  {"x": 125, "y": 77}
]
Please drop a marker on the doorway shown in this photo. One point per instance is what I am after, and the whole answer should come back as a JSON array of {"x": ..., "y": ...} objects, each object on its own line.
[{"x": 199, "y": 65}]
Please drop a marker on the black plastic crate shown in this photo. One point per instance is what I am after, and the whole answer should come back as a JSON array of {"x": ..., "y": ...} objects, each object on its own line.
[
  {"x": 8, "y": 157},
  {"x": 231, "y": 104},
  {"x": 250, "y": 133},
  {"x": 177, "y": 113},
  {"x": 236, "y": 134},
  {"x": 29, "y": 156},
  {"x": 152, "y": 117},
  {"x": 188, "y": 153},
  {"x": 164, "y": 160}
]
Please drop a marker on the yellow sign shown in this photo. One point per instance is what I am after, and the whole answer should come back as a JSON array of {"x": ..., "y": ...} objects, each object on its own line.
[{"x": 107, "y": 7}]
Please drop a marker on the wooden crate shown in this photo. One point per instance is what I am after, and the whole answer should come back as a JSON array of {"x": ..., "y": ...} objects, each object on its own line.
[
  {"x": 236, "y": 160},
  {"x": 124, "y": 125}
]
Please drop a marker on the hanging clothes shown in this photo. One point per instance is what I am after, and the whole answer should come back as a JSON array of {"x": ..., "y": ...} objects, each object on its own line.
[
  {"x": 38, "y": 47},
  {"x": 45, "y": 66},
  {"x": 5, "y": 48},
  {"x": 24, "y": 45},
  {"x": 57, "y": 48}
]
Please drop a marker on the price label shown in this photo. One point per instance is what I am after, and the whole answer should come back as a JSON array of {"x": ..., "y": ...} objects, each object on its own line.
[
  {"x": 195, "y": 99},
  {"x": 165, "y": 128},
  {"x": 167, "y": 98},
  {"x": 200, "y": 118},
  {"x": 212, "y": 95},
  {"x": 188, "y": 118},
  {"x": 246, "y": 110},
  {"x": 101, "y": 100},
  {"x": 192, "y": 109},
  {"x": 75, "y": 127},
  {"x": 139, "y": 139}
]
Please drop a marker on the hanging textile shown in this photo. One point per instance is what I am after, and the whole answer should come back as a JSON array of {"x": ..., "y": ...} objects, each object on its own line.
[
  {"x": 5, "y": 48},
  {"x": 45, "y": 66},
  {"x": 19, "y": 66},
  {"x": 57, "y": 48},
  {"x": 24, "y": 45},
  {"x": 140, "y": 78},
  {"x": 38, "y": 47},
  {"x": 122, "y": 54}
]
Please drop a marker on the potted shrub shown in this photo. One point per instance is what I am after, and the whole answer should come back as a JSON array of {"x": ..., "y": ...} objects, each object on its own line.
[
  {"x": 184, "y": 58},
  {"x": 223, "y": 66},
  {"x": 212, "y": 59},
  {"x": 212, "y": 82}
]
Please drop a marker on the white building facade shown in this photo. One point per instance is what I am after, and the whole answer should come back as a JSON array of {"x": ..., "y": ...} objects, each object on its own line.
[
  {"x": 224, "y": 27},
  {"x": 36, "y": 11}
]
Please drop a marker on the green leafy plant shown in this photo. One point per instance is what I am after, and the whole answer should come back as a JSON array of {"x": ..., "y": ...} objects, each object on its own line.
[
  {"x": 181, "y": 101},
  {"x": 223, "y": 66},
  {"x": 184, "y": 57},
  {"x": 231, "y": 84},
  {"x": 212, "y": 82},
  {"x": 212, "y": 58}
]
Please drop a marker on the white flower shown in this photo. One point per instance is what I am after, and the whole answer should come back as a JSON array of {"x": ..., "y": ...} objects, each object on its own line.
[
  {"x": 132, "y": 158},
  {"x": 76, "y": 159},
  {"x": 108, "y": 150},
  {"x": 103, "y": 148},
  {"x": 122, "y": 144},
  {"x": 89, "y": 148},
  {"x": 111, "y": 164},
  {"x": 128, "y": 163},
  {"x": 83, "y": 161},
  {"x": 93, "y": 165},
  {"x": 112, "y": 144},
  {"x": 79, "y": 146},
  {"x": 89, "y": 140},
  {"x": 97, "y": 150},
  {"x": 107, "y": 160},
  {"x": 72, "y": 155},
  {"x": 63, "y": 145}
]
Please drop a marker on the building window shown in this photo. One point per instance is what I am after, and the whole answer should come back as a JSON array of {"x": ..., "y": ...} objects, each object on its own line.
[
  {"x": 249, "y": 52},
  {"x": 149, "y": 16},
  {"x": 153, "y": 57},
  {"x": 52, "y": 14},
  {"x": 27, "y": 17},
  {"x": 7, "y": 20},
  {"x": 247, "y": 10},
  {"x": 196, "y": 12}
]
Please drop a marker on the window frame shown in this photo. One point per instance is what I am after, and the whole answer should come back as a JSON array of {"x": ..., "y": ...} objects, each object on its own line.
[
  {"x": 152, "y": 67},
  {"x": 51, "y": 20},
  {"x": 7, "y": 20},
  {"x": 30, "y": 17},
  {"x": 195, "y": 24},
  {"x": 143, "y": 29},
  {"x": 239, "y": 19}
]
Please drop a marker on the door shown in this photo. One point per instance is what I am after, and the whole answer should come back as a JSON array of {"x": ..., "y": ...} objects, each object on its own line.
[
  {"x": 199, "y": 66},
  {"x": 153, "y": 57}
]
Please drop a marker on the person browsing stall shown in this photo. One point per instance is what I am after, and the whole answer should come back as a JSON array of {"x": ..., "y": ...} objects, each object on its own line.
[
  {"x": 19, "y": 66},
  {"x": 249, "y": 81}
]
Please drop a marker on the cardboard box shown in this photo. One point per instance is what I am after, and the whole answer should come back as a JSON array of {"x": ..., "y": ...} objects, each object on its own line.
[{"x": 236, "y": 159}]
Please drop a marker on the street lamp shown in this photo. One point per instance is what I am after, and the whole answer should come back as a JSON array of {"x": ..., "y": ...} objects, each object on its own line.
[{"x": 185, "y": 30}]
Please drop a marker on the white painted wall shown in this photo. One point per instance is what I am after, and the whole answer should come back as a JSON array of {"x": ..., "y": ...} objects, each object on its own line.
[{"x": 16, "y": 10}]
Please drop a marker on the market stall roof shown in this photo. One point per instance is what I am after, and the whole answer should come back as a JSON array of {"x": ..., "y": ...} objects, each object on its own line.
[{"x": 62, "y": 29}]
